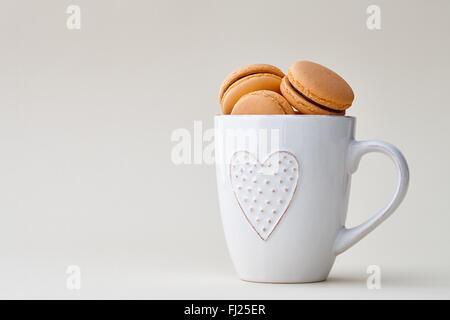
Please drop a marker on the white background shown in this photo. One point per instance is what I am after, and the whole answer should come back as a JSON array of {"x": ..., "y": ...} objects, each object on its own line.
[{"x": 86, "y": 117}]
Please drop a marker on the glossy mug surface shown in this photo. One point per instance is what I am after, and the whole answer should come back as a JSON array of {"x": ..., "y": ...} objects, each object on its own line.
[{"x": 283, "y": 185}]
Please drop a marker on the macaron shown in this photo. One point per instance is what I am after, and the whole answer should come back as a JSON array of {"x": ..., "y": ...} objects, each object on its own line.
[
  {"x": 248, "y": 79},
  {"x": 314, "y": 89},
  {"x": 262, "y": 102}
]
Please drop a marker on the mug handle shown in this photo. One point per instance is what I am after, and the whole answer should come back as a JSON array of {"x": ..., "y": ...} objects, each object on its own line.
[{"x": 348, "y": 237}]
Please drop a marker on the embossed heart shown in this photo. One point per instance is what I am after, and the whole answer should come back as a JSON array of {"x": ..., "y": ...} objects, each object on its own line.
[{"x": 265, "y": 190}]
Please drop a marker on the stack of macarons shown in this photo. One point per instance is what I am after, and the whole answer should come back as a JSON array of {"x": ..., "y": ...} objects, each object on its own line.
[{"x": 308, "y": 88}]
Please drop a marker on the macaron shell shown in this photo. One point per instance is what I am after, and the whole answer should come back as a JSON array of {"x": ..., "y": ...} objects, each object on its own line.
[
  {"x": 300, "y": 103},
  {"x": 253, "y": 82},
  {"x": 281, "y": 101},
  {"x": 260, "y": 102},
  {"x": 246, "y": 71},
  {"x": 321, "y": 85}
]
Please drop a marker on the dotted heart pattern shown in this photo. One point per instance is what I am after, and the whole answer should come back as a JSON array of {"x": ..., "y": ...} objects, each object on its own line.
[{"x": 265, "y": 190}]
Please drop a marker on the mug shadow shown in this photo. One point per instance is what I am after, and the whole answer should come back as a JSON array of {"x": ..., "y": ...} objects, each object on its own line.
[
  {"x": 395, "y": 278},
  {"x": 398, "y": 279}
]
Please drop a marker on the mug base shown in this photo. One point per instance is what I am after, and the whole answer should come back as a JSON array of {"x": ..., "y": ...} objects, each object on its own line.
[{"x": 284, "y": 282}]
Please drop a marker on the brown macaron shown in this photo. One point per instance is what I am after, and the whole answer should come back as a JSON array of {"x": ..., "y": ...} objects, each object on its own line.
[
  {"x": 262, "y": 102},
  {"x": 314, "y": 89},
  {"x": 248, "y": 79}
]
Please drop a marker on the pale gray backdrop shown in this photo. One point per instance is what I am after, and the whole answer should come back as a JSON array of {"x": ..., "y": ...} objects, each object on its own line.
[{"x": 86, "y": 117}]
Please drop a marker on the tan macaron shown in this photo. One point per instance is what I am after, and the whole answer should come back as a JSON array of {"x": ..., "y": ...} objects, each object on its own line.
[
  {"x": 248, "y": 79},
  {"x": 314, "y": 89},
  {"x": 262, "y": 102}
]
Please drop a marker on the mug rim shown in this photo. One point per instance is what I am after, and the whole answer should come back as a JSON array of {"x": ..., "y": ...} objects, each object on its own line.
[{"x": 267, "y": 116}]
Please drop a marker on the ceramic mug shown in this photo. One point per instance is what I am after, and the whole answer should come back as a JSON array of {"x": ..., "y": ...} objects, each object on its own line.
[{"x": 283, "y": 186}]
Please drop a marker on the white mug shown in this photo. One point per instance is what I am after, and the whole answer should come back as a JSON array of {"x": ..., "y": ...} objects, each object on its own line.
[{"x": 283, "y": 185}]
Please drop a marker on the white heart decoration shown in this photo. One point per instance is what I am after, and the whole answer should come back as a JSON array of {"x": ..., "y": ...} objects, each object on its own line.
[{"x": 265, "y": 190}]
